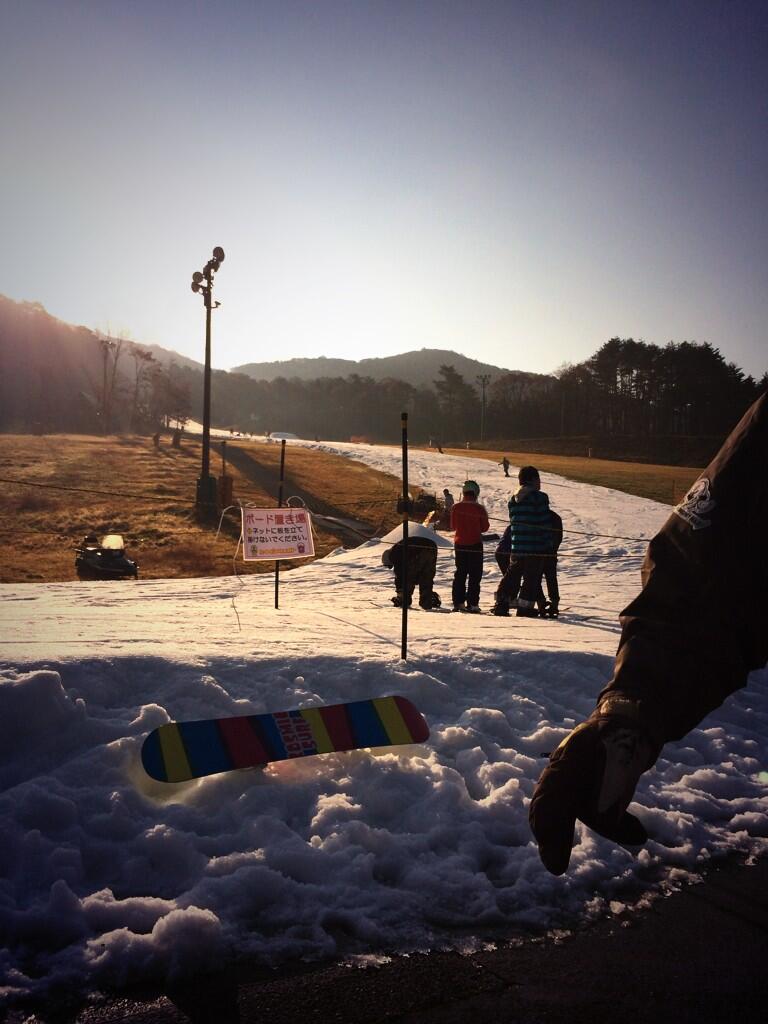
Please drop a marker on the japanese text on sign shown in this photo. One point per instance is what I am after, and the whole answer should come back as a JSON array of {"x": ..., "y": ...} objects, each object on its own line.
[{"x": 275, "y": 533}]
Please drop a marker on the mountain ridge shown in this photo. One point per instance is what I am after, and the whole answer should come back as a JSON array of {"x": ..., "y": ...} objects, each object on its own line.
[{"x": 418, "y": 367}]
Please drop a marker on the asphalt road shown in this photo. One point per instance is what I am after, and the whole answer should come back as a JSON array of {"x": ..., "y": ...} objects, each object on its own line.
[{"x": 698, "y": 955}]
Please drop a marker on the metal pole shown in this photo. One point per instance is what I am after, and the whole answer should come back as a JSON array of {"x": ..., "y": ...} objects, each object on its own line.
[
  {"x": 404, "y": 640},
  {"x": 204, "y": 473},
  {"x": 202, "y": 281},
  {"x": 279, "y": 505}
]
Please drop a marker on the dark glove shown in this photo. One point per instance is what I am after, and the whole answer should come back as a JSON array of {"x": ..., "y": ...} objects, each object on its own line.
[{"x": 592, "y": 776}]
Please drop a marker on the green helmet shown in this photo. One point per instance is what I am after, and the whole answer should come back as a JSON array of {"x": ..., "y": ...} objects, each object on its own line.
[{"x": 470, "y": 487}]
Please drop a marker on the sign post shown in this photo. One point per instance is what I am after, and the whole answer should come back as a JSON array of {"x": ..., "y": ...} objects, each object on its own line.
[
  {"x": 273, "y": 534},
  {"x": 404, "y": 640},
  {"x": 279, "y": 505}
]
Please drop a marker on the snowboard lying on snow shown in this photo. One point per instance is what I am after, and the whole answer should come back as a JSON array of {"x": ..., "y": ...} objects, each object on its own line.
[{"x": 180, "y": 751}]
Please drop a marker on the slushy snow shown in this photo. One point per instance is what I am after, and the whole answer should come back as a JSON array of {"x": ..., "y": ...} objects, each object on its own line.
[{"x": 108, "y": 878}]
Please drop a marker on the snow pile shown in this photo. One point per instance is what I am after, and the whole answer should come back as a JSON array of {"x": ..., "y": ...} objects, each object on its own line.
[{"x": 109, "y": 878}]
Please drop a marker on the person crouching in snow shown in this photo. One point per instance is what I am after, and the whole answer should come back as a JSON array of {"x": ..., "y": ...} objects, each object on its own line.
[
  {"x": 529, "y": 543},
  {"x": 469, "y": 520},
  {"x": 422, "y": 562}
]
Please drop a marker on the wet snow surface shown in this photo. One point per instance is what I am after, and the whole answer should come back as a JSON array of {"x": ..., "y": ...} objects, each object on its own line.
[{"x": 108, "y": 878}]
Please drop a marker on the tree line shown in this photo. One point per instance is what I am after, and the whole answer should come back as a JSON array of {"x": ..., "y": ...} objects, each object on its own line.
[
  {"x": 627, "y": 387},
  {"x": 55, "y": 377}
]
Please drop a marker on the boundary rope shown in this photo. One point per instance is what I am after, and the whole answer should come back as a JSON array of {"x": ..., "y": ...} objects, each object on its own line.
[{"x": 179, "y": 498}]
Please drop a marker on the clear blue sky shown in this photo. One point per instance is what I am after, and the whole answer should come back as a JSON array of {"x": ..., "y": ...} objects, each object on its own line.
[{"x": 518, "y": 181}]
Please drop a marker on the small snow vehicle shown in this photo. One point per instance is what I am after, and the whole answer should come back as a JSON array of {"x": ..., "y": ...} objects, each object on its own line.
[{"x": 104, "y": 559}]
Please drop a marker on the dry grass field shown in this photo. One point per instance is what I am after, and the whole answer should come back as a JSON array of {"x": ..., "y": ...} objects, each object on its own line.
[
  {"x": 56, "y": 488},
  {"x": 666, "y": 484},
  {"x": 72, "y": 485}
]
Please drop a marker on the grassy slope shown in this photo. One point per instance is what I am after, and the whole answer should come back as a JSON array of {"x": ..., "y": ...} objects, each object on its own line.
[
  {"x": 39, "y": 527},
  {"x": 149, "y": 498},
  {"x": 666, "y": 484}
]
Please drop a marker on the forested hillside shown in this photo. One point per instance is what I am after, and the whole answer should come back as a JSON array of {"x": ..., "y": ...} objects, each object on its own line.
[
  {"x": 419, "y": 368},
  {"x": 55, "y": 377}
]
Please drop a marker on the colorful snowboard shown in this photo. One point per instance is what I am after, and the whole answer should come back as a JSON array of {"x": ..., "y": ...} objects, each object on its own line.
[{"x": 180, "y": 751}]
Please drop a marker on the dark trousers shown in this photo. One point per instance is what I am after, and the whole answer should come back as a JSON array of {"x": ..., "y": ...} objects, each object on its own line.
[
  {"x": 469, "y": 572},
  {"x": 550, "y": 578},
  {"x": 524, "y": 576},
  {"x": 508, "y": 588},
  {"x": 532, "y": 568}
]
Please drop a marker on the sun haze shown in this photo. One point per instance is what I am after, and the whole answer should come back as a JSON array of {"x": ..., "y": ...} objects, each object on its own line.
[{"x": 516, "y": 182}]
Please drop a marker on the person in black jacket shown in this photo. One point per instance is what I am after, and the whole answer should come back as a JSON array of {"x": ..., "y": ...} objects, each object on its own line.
[
  {"x": 550, "y": 608},
  {"x": 688, "y": 640},
  {"x": 422, "y": 562}
]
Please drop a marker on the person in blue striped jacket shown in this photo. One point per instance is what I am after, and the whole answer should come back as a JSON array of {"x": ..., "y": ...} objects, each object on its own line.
[{"x": 529, "y": 545}]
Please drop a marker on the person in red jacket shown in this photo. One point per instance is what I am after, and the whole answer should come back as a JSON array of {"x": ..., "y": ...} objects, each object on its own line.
[{"x": 469, "y": 521}]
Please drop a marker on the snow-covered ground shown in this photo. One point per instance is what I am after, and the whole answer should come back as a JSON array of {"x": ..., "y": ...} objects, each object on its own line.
[{"x": 107, "y": 877}]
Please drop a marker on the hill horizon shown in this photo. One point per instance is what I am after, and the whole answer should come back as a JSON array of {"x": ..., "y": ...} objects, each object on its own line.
[{"x": 418, "y": 366}]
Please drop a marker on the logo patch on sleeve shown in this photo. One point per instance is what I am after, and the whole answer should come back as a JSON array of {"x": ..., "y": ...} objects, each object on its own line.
[{"x": 696, "y": 505}]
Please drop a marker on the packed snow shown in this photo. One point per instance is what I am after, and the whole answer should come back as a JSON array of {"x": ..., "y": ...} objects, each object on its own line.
[{"x": 108, "y": 878}]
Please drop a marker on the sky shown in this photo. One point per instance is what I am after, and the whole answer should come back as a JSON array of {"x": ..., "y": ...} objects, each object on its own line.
[
  {"x": 518, "y": 182},
  {"x": 108, "y": 878}
]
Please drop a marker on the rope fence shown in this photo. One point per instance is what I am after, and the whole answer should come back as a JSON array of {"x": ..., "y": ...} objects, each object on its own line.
[{"x": 184, "y": 499}]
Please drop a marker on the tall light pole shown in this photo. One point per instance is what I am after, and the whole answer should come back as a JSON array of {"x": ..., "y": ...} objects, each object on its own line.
[
  {"x": 483, "y": 379},
  {"x": 202, "y": 281}
]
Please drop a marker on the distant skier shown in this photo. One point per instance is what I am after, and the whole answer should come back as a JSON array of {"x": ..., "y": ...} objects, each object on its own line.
[
  {"x": 469, "y": 520},
  {"x": 422, "y": 562},
  {"x": 448, "y": 500},
  {"x": 529, "y": 521},
  {"x": 505, "y": 464},
  {"x": 684, "y": 647}
]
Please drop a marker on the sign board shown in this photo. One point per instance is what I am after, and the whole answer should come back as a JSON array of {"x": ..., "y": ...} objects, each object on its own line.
[{"x": 270, "y": 534}]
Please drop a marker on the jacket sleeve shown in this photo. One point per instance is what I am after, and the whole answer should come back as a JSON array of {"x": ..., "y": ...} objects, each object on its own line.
[{"x": 700, "y": 623}]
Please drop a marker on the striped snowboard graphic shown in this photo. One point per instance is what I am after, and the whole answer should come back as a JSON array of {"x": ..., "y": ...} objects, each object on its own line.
[{"x": 180, "y": 751}]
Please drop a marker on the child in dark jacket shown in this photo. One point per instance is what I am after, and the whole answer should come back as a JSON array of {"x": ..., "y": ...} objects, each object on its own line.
[{"x": 550, "y": 608}]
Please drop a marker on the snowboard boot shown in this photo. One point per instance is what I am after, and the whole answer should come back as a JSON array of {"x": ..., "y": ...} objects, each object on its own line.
[
  {"x": 500, "y": 608},
  {"x": 473, "y": 608},
  {"x": 592, "y": 776},
  {"x": 430, "y": 603},
  {"x": 397, "y": 600}
]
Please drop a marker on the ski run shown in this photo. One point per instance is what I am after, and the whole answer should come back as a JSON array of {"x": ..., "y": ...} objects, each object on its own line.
[{"x": 110, "y": 878}]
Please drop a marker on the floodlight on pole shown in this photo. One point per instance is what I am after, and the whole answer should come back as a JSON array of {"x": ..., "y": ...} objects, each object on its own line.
[
  {"x": 202, "y": 281},
  {"x": 483, "y": 379}
]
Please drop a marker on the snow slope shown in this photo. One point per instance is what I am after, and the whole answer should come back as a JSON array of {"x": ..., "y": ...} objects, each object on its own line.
[{"x": 108, "y": 878}]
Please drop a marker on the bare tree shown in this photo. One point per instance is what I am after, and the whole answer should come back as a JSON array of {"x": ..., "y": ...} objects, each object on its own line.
[{"x": 142, "y": 363}]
